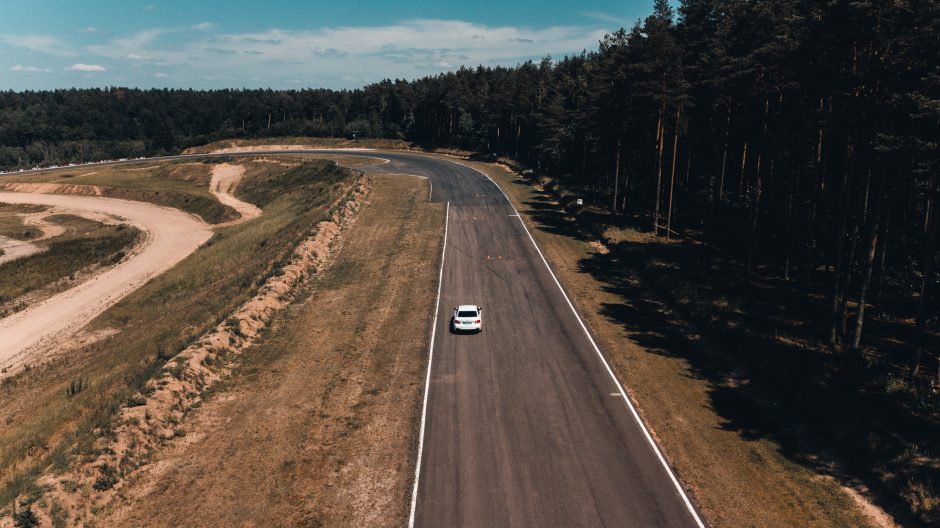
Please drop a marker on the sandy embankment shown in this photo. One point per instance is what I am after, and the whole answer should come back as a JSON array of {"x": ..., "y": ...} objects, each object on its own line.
[{"x": 170, "y": 235}]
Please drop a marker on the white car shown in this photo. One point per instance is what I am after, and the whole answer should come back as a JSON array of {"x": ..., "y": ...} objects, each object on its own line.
[{"x": 467, "y": 318}]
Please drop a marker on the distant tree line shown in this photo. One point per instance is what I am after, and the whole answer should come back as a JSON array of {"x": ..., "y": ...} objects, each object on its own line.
[{"x": 801, "y": 136}]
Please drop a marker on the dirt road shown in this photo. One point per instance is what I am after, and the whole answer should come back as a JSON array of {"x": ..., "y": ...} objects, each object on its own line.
[
  {"x": 170, "y": 234},
  {"x": 225, "y": 177}
]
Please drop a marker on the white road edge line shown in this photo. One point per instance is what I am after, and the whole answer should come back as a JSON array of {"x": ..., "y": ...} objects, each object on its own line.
[
  {"x": 623, "y": 393},
  {"x": 427, "y": 380}
]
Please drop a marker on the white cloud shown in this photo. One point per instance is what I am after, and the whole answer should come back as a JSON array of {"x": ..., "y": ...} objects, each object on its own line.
[
  {"x": 160, "y": 75},
  {"x": 420, "y": 43},
  {"x": 87, "y": 67},
  {"x": 91, "y": 29},
  {"x": 603, "y": 17},
  {"x": 344, "y": 56},
  {"x": 150, "y": 7},
  {"x": 41, "y": 43},
  {"x": 29, "y": 69}
]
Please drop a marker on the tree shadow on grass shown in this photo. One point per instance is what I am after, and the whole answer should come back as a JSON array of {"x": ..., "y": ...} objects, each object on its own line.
[
  {"x": 551, "y": 218},
  {"x": 754, "y": 343}
]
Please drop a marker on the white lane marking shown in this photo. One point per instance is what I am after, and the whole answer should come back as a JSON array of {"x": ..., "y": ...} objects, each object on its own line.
[
  {"x": 623, "y": 393},
  {"x": 517, "y": 216},
  {"x": 427, "y": 380}
]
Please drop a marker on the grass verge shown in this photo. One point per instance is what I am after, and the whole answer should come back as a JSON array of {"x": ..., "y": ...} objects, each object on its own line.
[
  {"x": 327, "y": 401},
  {"x": 55, "y": 412}
]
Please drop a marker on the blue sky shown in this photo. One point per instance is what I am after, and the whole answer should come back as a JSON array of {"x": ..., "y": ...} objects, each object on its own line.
[{"x": 287, "y": 43}]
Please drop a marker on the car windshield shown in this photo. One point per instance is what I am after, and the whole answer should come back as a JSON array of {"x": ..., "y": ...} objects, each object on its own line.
[{"x": 466, "y": 313}]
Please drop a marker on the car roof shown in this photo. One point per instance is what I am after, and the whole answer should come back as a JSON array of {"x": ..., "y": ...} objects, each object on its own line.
[{"x": 463, "y": 307}]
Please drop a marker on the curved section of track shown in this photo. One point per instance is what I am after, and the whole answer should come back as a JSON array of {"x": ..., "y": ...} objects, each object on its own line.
[
  {"x": 225, "y": 178},
  {"x": 171, "y": 235}
]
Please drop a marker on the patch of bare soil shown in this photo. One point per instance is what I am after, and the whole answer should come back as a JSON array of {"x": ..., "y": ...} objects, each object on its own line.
[
  {"x": 150, "y": 419},
  {"x": 225, "y": 178},
  {"x": 318, "y": 427},
  {"x": 16, "y": 249}
]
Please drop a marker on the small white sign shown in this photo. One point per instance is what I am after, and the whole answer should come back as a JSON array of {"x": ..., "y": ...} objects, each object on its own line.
[{"x": 579, "y": 201}]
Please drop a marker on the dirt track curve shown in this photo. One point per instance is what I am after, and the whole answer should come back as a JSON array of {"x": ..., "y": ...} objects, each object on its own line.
[{"x": 170, "y": 235}]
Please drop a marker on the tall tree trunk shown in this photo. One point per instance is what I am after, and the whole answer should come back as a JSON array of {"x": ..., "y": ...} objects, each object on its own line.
[
  {"x": 659, "y": 168},
  {"x": 870, "y": 264},
  {"x": 755, "y": 215},
  {"x": 626, "y": 183},
  {"x": 925, "y": 287},
  {"x": 788, "y": 241},
  {"x": 755, "y": 206},
  {"x": 847, "y": 276},
  {"x": 840, "y": 252},
  {"x": 858, "y": 221},
  {"x": 819, "y": 185},
  {"x": 672, "y": 177},
  {"x": 724, "y": 156},
  {"x": 743, "y": 170},
  {"x": 929, "y": 208},
  {"x": 613, "y": 204},
  {"x": 810, "y": 265},
  {"x": 884, "y": 249}
]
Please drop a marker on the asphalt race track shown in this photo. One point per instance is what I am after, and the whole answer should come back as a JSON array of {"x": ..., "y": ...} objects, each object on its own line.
[{"x": 525, "y": 425}]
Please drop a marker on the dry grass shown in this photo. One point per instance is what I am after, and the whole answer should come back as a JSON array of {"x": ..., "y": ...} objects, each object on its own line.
[
  {"x": 46, "y": 424},
  {"x": 322, "y": 414},
  {"x": 11, "y": 221},
  {"x": 737, "y": 478}
]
